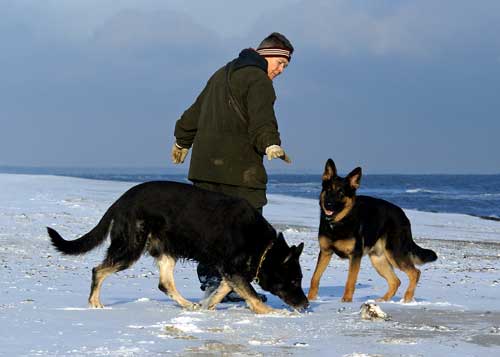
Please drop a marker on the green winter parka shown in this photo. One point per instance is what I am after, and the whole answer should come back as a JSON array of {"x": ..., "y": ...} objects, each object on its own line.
[{"x": 228, "y": 148}]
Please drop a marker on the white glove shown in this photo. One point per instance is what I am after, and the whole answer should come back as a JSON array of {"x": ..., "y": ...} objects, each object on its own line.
[
  {"x": 178, "y": 154},
  {"x": 276, "y": 151}
]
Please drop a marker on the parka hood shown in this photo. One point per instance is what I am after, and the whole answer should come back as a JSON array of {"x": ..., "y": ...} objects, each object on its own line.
[{"x": 250, "y": 57}]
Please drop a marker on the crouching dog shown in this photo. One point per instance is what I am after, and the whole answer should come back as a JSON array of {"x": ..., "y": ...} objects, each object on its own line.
[{"x": 172, "y": 221}]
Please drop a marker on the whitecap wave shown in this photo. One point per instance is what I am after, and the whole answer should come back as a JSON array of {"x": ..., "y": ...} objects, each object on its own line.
[{"x": 421, "y": 190}]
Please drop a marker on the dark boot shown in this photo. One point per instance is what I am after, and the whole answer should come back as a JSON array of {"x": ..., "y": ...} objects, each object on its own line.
[
  {"x": 210, "y": 280},
  {"x": 208, "y": 277}
]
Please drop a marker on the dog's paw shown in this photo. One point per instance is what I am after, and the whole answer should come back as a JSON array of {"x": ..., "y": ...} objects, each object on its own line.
[
  {"x": 408, "y": 298},
  {"x": 285, "y": 313},
  {"x": 262, "y": 309},
  {"x": 408, "y": 301},
  {"x": 347, "y": 299},
  {"x": 96, "y": 305},
  {"x": 192, "y": 306},
  {"x": 282, "y": 312}
]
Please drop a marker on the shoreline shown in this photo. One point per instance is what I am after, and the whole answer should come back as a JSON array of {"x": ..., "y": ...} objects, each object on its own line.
[{"x": 493, "y": 218}]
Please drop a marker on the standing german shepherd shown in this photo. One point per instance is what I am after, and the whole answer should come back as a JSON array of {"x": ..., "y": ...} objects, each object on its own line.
[
  {"x": 352, "y": 226},
  {"x": 172, "y": 220}
]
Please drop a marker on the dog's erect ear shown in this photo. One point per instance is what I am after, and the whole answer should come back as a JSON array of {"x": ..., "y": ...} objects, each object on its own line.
[
  {"x": 330, "y": 170},
  {"x": 282, "y": 237},
  {"x": 355, "y": 178},
  {"x": 299, "y": 249},
  {"x": 295, "y": 252}
]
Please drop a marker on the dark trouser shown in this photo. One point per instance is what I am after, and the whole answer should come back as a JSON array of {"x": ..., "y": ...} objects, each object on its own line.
[
  {"x": 256, "y": 196},
  {"x": 208, "y": 276}
]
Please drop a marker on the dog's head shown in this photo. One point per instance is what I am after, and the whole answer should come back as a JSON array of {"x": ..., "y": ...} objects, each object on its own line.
[
  {"x": 338, "y": 193},
  {"x": 281, "y": 274}
]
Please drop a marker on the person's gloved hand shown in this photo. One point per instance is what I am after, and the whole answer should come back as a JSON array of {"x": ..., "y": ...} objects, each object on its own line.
[
  {"x": 276, "y": 151},
  {"x": 178, "y": 154}
]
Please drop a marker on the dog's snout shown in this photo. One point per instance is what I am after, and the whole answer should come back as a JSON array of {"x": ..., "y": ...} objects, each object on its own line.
[
  {"x": 302, "y": 307},
  {"x": 330, "y": 199}
]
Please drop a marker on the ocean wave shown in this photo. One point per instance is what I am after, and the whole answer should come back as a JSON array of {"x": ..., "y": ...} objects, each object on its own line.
[
  {"x": 421, "y": 190},
  {"x": 489, "y": 195}
]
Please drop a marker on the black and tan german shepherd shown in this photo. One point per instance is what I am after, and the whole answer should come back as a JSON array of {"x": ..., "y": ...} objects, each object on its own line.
[
  {"x": 352, "y": 226},
  {"x": 171, "y": 221}
]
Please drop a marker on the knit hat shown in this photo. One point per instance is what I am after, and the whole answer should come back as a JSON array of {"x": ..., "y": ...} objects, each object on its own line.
[{"x": 275, "y": 52}]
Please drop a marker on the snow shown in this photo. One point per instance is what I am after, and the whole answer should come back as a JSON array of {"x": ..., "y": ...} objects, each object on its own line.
[{"x": 43, "y": 299}]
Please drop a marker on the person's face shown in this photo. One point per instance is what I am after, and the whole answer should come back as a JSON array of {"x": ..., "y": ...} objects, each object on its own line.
[{"x": 275, "y": 65}]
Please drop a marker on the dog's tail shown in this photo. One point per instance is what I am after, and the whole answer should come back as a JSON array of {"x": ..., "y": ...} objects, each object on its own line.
[
  {"x": 87, "y": 242},
  {"x": 421, "y": 255}
]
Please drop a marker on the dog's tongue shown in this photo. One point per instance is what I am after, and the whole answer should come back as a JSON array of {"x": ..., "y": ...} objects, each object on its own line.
[{"x": 328, "y": 213}]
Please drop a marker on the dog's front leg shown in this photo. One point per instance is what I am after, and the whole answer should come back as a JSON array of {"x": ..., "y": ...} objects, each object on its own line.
[
  {"x": 324, "y": 257},
  {"x": 166, "y": 265},
  {"x": 244, "y": 289},
  {"x": 352, "y": 277},
  {"x": 217, "y": 296}
]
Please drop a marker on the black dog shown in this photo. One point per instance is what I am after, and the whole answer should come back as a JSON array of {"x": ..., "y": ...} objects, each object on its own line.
[
  {"x": 352, "y": 226},
  {"x": 172, "y": 220}
]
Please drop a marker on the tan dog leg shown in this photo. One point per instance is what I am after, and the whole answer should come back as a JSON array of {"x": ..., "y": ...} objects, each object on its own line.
[
  {"x": 99, "y": 273},
  {"x": 218, "y": 295},
  {"x": 324, "y": 257},
  {"x": 407, "y": 266},
  {"x": 354, "y": 265},
  {"x": 414, "y": 276},
  {"x": 247, "y": 292},
  {"x": 166, "y": 266},
  {"x": 385, "y": 270}
]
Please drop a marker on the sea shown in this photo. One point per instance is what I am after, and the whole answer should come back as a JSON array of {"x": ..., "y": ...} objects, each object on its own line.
[{"x": 476, "y": 195}]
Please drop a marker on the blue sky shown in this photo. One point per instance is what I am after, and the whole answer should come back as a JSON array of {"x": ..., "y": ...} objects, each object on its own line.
[{"x": 392, "y": 86}]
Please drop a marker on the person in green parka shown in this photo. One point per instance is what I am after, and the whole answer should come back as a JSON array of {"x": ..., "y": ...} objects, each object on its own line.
[{"x": 231, "y": 126}]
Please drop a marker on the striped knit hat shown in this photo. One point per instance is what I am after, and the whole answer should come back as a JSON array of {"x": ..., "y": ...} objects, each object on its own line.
[{"x": 275, "y": 52}]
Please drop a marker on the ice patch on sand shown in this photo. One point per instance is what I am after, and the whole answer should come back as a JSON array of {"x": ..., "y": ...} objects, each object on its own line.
[
  {"x": 185, "y": 324},
  {"x": 280, "y": 314},
  {"x": 243, "y": 322},
  {"x": 422, "y": 303},
  {"x": 436, "y": 328},
  {"x": 83, "y": 308},
  {"x": 140, "y": 327},
  {"x": 144, "y": 299},
  {"x": 269, "y": 342},
  {"x": 121, "y": 351},
  {"x": 398, "y": 341}
]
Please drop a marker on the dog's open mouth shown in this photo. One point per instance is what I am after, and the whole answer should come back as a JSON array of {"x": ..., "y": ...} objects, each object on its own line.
[{"x": 328, "y": 212}]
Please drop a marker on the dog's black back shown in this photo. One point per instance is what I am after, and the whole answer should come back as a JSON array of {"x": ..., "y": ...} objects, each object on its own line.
[
  {"x": 371, "y": 218},
  {"x": 182, "y": 221}
]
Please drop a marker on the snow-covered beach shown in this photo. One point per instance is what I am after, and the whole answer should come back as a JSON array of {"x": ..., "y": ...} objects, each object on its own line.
[{"x": 43, "y": 301}]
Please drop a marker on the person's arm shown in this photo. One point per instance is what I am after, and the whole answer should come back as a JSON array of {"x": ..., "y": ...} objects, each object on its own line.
[
  {"x": 187, "y": 126},
  {"x": 263, "y": 126}
]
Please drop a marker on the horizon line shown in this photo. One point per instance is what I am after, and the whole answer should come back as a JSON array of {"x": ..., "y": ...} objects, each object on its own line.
[{"x": 183, "y": 171}]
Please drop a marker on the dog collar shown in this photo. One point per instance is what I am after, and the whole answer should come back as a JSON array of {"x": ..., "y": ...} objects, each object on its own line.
[
  {"x": 332, "y": 224},
  {"x": 262, "y": 258}
]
